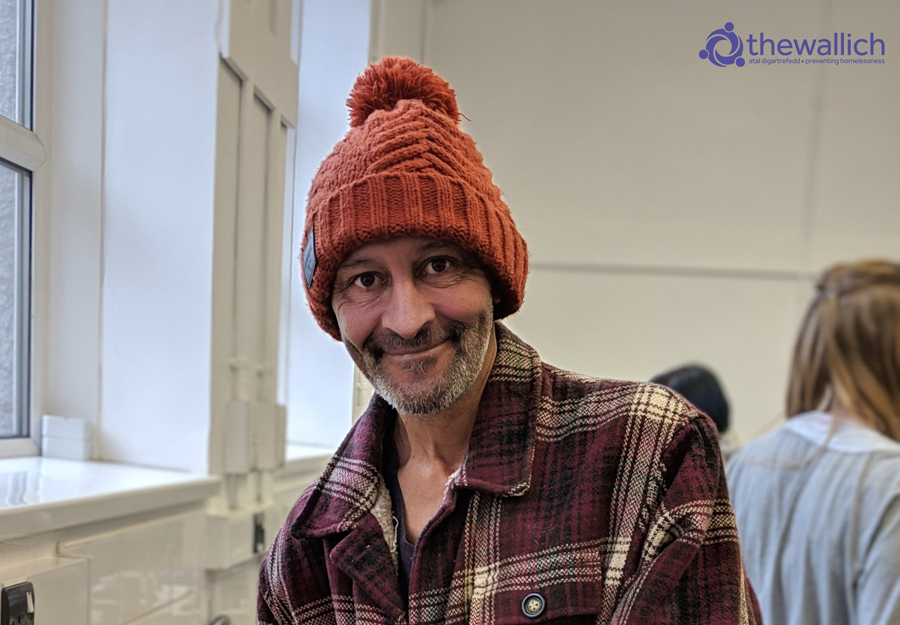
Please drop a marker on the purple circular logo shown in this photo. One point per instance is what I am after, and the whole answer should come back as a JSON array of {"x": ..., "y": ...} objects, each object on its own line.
[{"x": 721, "y": 60}]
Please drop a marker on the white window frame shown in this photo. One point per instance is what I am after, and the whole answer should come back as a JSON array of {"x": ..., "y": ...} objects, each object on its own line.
[{"x": 24, "y": 148}]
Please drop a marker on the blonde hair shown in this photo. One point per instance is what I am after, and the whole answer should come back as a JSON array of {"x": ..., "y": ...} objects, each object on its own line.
[{"x": 848, "y": 350}]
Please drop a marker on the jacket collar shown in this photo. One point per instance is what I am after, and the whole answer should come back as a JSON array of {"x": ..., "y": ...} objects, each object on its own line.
[
  {"x": 501, "y": 450},
  {"x": 498, "y": 462}
]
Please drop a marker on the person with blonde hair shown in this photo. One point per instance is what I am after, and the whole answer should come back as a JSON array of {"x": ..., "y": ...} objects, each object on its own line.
[{"x": 818, "y": 500}]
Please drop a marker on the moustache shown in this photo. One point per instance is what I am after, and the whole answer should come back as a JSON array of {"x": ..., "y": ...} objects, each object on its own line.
[{"x": 384, "y": 340}]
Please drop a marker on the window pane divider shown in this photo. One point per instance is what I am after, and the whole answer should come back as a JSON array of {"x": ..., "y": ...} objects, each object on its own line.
[
  {"x": 17, "y": 447},
  {"x": 20, "y": 146}
]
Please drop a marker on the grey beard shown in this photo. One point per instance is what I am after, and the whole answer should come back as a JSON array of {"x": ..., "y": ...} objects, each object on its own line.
[{"x": 471, "y": 348}]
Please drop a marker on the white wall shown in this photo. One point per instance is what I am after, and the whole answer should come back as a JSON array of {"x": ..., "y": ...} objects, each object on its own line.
[
  {"x": 674, "y": 211},
  {"x": 66, "y": 341},
  {"x": 158, "y": 231},
  {"x": 334, "y": 50}
]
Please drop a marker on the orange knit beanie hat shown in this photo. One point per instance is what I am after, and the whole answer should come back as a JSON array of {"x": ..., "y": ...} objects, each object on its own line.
[{"x": 406, "y": 169}]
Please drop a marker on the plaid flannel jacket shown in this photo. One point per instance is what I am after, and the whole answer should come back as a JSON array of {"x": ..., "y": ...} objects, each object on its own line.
[{"x": 605, "y": 498}]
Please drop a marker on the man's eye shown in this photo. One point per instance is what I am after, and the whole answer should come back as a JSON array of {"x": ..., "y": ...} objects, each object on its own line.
[
  {"x": 437, "y": 265},
  {"x": 366, "y": 280}
]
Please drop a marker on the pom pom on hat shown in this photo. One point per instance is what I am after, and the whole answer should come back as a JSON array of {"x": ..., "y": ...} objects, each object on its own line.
[{"x": 392, "y": 79}]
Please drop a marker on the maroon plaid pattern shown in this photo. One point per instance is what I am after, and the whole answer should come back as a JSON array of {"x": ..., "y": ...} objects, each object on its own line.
[{"x": 607, "y": 498}]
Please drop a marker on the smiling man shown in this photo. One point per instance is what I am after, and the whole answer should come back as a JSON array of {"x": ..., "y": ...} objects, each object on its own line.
[
  {"x": 424, "y": 354},
  {"x": 481, "y": 485}
]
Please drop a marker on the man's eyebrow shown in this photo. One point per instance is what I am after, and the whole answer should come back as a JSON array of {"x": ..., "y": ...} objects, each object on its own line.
[
  {"x": 438, "y": 245},
  {"x": 350, "y": 264}
]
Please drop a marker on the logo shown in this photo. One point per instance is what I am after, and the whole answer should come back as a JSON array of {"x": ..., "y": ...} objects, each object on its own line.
[
  {"x": 715, "y": 38},
  {"x": 309, "y": 258},
  {"x": 724, "y": 47}
]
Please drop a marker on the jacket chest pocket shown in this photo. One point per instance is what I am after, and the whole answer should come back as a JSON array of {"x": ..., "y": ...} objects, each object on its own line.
[{"x": 553, "y": 601}]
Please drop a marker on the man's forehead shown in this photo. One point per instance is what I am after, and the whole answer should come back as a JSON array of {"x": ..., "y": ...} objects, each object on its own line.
[{"x": 400, "y": 246}]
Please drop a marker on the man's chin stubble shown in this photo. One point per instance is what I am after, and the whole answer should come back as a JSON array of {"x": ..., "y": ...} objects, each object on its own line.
[{"x": 470, "y": 351}]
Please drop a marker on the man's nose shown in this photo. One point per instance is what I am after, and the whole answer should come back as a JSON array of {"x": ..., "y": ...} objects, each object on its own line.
[{"x": 408, "y": 310}]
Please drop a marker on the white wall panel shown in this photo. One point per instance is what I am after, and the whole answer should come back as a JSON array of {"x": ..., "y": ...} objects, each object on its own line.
[
  {"x": 187, "y": 611},
  {"x": 190, "y": 610},
  {"x": 158, "y": 231},
  {"x": 141, "y": 569},
  {"x": 250, "y": 288},
  {"x": 72, "y": 342},
  {"x": 633, "y": 326},
  {"x": 233, "y": 593},
  {"x": 60, "y": 587},
  {"x": 334, "y": 49},
  {"x": 223, "y": 292},
  {"x": 857, "y": 190},
  {"x": 615, "y": 143}
]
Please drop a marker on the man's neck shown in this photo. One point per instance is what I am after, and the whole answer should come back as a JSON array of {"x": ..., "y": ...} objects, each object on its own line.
[{"x": 442, "y": 438}]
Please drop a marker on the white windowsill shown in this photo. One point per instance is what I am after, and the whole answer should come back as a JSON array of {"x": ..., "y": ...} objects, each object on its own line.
[
  {"x": 45, "y": 494},
  {"x": 40, "y": 494}
]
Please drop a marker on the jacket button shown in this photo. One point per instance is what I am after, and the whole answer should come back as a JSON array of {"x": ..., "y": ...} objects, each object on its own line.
[{"x": 533, "y": 605}]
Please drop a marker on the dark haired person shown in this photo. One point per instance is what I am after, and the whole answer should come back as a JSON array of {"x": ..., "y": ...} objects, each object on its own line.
[
  {"x": 481, "y": 485},
  {"x": 818, "y": 499},
  {"x": 701, "y": 387}
]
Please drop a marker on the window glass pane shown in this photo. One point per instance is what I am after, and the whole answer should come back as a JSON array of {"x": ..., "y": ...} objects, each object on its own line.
[
  {"x": 15, "y": 60},
  {"x": 15, "y": 223}
]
